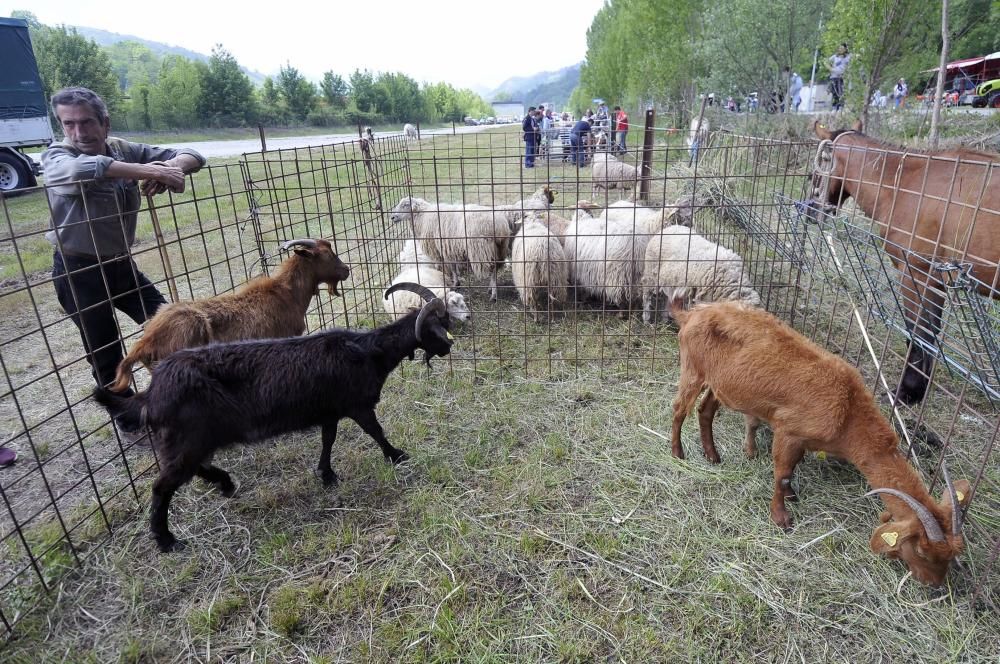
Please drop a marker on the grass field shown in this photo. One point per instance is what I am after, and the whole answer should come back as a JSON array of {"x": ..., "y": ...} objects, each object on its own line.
[{"x": 541, "y": 518}]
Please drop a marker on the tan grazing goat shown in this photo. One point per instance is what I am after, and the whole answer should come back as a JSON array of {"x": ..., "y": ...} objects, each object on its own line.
[
  {"x": 814, "y": 401},
  {"x": 265, "y": 308}
]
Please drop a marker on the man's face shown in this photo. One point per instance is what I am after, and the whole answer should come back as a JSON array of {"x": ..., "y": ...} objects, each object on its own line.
[
  {"x": 83, "y": 130},
  {"x": 841, "y": 50}
]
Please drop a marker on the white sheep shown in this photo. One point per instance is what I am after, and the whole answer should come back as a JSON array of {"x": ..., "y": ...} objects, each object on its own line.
[
  {"x": 612, "y": 173},
  {"x": 541, "y": 199},
  {"x": 409, "y": 131},
  {"x": 458, "y": 237},
  {"x": 538, "y": 265},
  {"x": 417, "y": 267},
  {"x": 681, "y": 263},
  {"x": 605, "y": 260}
]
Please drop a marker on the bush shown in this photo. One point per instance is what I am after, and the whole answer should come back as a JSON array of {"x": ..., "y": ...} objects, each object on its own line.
[{"x": 326, "y": 116}]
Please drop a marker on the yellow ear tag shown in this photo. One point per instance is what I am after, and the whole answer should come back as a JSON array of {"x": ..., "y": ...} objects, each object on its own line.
[
  {"x": 821, "y": 455},
  {"x": 960, "y": 496},
  {"x": 890, "y": 538},
  {"x": 449, "y": 335}
]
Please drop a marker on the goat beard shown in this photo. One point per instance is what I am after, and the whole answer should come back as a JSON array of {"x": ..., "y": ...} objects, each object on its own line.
[{"x": 332, "y": 289}]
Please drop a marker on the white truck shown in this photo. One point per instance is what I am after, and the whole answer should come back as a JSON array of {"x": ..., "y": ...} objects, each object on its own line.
[{"x": 24, "y": 117}]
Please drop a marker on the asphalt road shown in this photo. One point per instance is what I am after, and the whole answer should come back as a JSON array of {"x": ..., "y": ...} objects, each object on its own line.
[{"x": 216, "y": 149}]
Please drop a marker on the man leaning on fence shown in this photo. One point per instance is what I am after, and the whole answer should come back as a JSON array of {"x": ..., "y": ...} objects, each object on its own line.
[{"x": 91, "y": 182}]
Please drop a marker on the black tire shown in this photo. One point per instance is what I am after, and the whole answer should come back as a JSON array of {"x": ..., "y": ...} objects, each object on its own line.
[
  {"x": 14, "y": 174},
  {"x": 994, "y": 100}
]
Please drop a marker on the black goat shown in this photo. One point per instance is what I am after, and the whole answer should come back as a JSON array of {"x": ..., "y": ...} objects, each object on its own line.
[{"x": 203, "y": 399}]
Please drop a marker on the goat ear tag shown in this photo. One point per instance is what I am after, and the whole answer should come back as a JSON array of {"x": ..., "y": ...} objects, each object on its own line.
[
  {"x": 960, "y": 496},
  {"x": 890, "y": 538},
  {"x": 450, "y": 338},
  {"x": 821, "y": 455}
]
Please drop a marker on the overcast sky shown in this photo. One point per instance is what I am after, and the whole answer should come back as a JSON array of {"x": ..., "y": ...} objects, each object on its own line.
[{"x": 468, "y": 43}]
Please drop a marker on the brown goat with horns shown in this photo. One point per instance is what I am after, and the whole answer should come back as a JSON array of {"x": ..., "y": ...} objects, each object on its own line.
[
  {"x": 265, "y": 308},
  {"x": 814, "y": 401}
]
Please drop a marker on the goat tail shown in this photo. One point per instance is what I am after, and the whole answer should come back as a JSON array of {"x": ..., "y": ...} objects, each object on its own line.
[
  {"x": 678, "y": 307},
  {"x": 129, "y": 412},
  {"x": 123, "y": 377}
]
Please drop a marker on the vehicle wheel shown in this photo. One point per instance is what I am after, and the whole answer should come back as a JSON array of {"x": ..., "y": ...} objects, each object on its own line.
[
  {"x": 13, "y": 174},
  {"x": 994, "y": 101}
]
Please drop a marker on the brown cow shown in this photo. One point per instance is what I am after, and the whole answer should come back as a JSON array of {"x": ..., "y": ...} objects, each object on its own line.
[{"x": 930, "y": 207}]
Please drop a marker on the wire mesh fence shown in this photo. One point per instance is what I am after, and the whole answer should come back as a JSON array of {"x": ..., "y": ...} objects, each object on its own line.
[{"x": 76, "y": 480}]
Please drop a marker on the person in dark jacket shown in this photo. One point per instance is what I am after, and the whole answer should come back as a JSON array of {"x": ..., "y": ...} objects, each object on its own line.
[
  {"x": 94, "y": 197},
  {"x": 530, "y": 128},
  {"x": 579, "y": 137}
]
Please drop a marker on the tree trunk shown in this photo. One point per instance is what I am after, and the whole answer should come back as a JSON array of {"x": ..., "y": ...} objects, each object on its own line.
[{"x": 942, "y": 74}]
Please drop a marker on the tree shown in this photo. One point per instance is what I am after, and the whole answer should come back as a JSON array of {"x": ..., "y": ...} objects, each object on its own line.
[
  {"x": 134, "y": 63},
  {"x": 398, "y": 98},
  {"x": 227, "y": 97},
  {"x": 27, "y": 17},
  {"x": 334, "y": 89},
  {"x": 175, "y": 98},
  {"x": 363, "y": 90},
  {"x": 747, "y": 43},
  {"x": 65, "y": 59},
  {"x": 942, "y": 64},
  {"x": 880, "y": 34},
  {"x": 298, "y": 93}
]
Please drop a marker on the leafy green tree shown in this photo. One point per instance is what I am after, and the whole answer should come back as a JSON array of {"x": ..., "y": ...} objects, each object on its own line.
[
  {"x": 28, "y": 17},
  {"x": 363, "y": 90},
  {"x": 298, "y": 94},
  {"x": 881, "y": 35},
  {"x": 175, "y": 98},
  {"x": 227, "y": 96},
  {"x": 975, "y": 27},
  {"x": 134, "y": 63},
  {"x": 334, "y": 89},
  {"x": 398, "y": 98},
  {"x": 747, "y": 43},
  {"x": 66, "y": 58}
]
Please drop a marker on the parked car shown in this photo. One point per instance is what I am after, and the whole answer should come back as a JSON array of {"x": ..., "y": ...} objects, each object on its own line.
[{"x": 471, "y": 122}]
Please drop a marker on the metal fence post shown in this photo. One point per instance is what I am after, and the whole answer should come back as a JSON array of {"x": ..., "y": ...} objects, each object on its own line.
[{"x": 646, "y": 171}]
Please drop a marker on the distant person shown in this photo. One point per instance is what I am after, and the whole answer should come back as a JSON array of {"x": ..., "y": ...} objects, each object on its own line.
[
  {"x": 529, "y": 128},
  {"x": 837, "y": 65},
  {"x": 899, "y": 93},
  {"x": 549, "y": 130},
  {"x": 794, "y": 91},
  {"x": 579, "y": 138},
  {"x": 621, "y": 127},
  {"x": 94, "y": 198}
]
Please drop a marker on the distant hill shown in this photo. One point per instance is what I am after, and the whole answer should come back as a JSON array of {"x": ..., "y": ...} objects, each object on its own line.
[
  {"x": 105, "y": 38},
  {"x": 547, "y": 86}
]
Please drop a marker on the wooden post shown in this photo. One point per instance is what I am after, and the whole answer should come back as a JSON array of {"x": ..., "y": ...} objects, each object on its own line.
[
  {"x": 418, "y": 131},
  {"x": 164, "y": 256},
  {"x": 263, "y": 141},
  {"x": 646, "y": 172},
  {"x": 453, "y": 130},
  {"x": 361, "y": 133}
]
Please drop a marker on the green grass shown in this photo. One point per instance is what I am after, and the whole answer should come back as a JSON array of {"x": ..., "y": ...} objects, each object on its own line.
[{"x": 539, "y": 519}]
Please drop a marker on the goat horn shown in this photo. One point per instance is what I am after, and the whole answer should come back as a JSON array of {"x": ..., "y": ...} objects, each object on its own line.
[
  {"x": 423, "y": 291},
  {"x": 309, "y": 244},
  {"x": 931, "y": 526},
  {"x": 956, "y": 509},
  {"x": 436, "y": 306}
]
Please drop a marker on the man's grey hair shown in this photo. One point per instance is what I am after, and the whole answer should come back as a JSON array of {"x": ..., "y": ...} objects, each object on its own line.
[{"x": 81, "y": 97}]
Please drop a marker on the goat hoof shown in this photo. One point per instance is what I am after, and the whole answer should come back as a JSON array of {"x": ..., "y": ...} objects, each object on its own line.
[
  {"x": 227, "y": 490},
  {"x": 783, "y": 520},
  {"x": 168, "y": 543},
  {"x": 399, "y": 458},
  {"x": 328, "y": 477}
]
